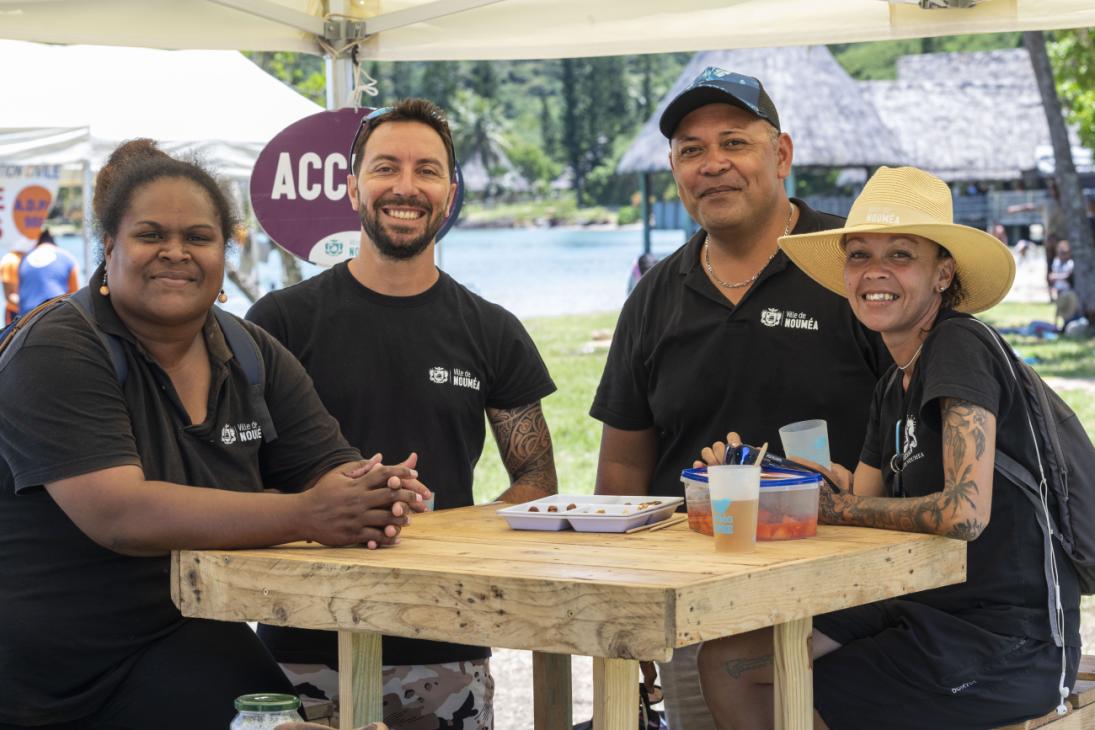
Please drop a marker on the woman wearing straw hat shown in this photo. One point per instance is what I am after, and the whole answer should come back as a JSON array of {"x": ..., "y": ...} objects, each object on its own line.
[{"x": 979, "y": 654}]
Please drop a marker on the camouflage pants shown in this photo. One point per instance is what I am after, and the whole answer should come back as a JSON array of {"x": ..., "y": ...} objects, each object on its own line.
[{"x": 456, "y": 695}]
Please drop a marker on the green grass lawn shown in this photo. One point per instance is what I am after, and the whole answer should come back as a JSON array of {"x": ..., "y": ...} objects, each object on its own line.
[{"x": 576, "y": 436}]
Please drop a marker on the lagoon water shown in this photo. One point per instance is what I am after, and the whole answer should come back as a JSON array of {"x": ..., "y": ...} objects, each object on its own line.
[
  {"x": 534, "y": 272},
  {"x": 529, "y": 271}
]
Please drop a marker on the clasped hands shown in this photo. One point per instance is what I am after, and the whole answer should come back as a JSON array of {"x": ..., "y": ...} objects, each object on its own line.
[{"x": 364, "y": 503}]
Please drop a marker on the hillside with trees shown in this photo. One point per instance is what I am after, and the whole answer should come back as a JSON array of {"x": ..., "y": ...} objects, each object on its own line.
[{"x": 561, "y": 125}]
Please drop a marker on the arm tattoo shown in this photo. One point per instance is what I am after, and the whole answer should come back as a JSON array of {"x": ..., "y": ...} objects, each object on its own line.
[
  {"x": 737, "y": 667},
  {"x": 958, "y": 511},
  {"x": 525, "y": 444}
]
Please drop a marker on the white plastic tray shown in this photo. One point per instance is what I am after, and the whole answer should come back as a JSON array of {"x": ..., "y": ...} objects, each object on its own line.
[{"x": 589, "y": 513}]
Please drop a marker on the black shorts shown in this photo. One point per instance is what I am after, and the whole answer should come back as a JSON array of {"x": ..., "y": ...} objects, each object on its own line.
[
  {"x": 187, "y": 681},
  {"x": 904, "y": 665}
]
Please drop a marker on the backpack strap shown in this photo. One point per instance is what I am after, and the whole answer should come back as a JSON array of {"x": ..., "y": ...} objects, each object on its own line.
[
  {"x": 81, "y": 302},
  {"x": 10, "y": 339},
  {"x": 247, "y": 354}
]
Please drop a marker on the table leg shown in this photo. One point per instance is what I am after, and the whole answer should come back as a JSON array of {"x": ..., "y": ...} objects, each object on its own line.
[
  {"x": 615, "y": 693},
  {"x": 794, "y": 677},
  {"x": 551, "y": 691},
  {"x": 359, "y": 689}
]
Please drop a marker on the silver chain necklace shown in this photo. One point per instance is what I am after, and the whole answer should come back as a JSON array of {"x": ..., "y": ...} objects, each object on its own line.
[
  {"x": 754, "y": 277},
  {"x": 912, "y": 359}
]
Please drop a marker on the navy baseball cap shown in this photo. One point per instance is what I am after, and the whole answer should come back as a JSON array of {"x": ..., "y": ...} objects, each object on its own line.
[{"x": 718, "y": 86}]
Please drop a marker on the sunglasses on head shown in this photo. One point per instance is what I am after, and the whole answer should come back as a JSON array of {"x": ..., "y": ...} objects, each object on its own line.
[
  {"x": 366, "y": 122},
  {"x": 369, "y": 120},
  {"x": 712, "y": 73}
]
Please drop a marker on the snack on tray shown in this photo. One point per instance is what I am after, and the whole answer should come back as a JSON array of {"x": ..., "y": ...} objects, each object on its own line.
[{"x": 588, "y": 513}]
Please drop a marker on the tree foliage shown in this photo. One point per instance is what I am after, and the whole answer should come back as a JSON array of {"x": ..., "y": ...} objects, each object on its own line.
[
  {"x": 1073, "y": 56},
  {"x": 304, "y": 72}
]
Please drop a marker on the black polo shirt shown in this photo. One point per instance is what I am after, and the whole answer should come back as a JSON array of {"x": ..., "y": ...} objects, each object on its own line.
[
  {"x": 691, "y": 365},
  {"x": 74, "y": 616}
]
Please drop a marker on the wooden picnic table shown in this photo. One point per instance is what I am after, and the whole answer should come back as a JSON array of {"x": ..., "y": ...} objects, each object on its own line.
[{"x": 462, "y": 575}]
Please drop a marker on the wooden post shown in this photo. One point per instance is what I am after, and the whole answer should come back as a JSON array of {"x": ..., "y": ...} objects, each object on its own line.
[
  {"x": 794, "y": 678},
  {"x": 551, "y": 691},
  {"x": 615, "y": 693},
  {"x": 359, "y": 687}
]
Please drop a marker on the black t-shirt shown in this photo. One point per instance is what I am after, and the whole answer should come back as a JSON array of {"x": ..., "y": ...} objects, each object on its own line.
[
  {"x": 73, "y": 615},
  {"x": 1005, "y": 588},
  {"x": 403, "y": 374},
  {"x": 689, "y": 364}
]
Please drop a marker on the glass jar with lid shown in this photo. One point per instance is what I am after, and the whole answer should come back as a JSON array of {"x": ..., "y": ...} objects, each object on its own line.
[{"x": 264, "y": 711}]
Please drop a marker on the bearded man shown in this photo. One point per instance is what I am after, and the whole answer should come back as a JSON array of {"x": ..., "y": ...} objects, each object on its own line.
[{"x": 408, "y": 360}]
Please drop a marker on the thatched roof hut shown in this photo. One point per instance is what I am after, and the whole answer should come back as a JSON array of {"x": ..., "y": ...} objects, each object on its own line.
[
  {"x": 965, "y": 116},
  {"x": 1009, "y": 66},
  {"x": 819, "y": 105},
  {"x": 477, "y": 179}
]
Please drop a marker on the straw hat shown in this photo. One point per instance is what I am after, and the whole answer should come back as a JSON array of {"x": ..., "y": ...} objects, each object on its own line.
[{"x": 908, "y": 200}]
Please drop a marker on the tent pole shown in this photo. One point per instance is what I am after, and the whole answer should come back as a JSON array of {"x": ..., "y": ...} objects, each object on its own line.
[
  {"x": 89, "y": 182},
  {"x": 340, "y": 81}
]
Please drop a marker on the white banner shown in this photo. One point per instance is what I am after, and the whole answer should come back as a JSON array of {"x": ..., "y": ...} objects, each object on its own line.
[{"x": 27, "y": 193}]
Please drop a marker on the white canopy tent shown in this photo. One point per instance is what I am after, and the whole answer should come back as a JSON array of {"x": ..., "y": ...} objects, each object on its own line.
[
  {"x": 73, "y": 104},
  {"x": 399, "y": 30}
]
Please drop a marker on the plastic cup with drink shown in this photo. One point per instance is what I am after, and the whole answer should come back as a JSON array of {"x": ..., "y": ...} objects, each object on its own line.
[
  {"x": 807, "y": 440},
  {"x": 735, "y": 492}
]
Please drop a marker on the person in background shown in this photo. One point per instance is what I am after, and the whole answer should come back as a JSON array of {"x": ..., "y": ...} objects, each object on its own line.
[
  {"x": 642, "y": 265},
  {"x": 47, "y": 271},
  {"x": 1053, "y": 223},
  {"x": 102, "y": 474},
  {"x": 1061, "y": 270},
  {"x": 432, "y": 352},
  {"x": 9, "y": 279},
  {"x": 1061, "y": 278},
  {"x": 706, "y": 326},
  {"x": 1000, "y": 233},
  {"x": 980, "y": 654}
]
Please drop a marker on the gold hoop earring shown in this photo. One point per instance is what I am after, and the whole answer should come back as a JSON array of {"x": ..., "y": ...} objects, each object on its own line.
[
  {"x": 103, "y": 288},
  {"x": 222, "y": 297}
]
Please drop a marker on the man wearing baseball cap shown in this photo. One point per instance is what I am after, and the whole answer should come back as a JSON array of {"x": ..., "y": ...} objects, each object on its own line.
[{"x": 727, "y": 332}]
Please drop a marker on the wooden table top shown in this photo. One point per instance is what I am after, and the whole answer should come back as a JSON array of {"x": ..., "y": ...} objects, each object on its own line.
[{"x": 462, "y": 575}]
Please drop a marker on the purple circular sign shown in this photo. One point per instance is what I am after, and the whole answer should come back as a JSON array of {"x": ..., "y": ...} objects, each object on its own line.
[{"x": 298, "y": 188}]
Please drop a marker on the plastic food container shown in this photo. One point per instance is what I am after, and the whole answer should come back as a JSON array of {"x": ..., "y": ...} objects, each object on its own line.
[
  {"x": 589, "y": 513},
  {"x": 264, "y": 711},
  {"x": 787, "y": 509}
]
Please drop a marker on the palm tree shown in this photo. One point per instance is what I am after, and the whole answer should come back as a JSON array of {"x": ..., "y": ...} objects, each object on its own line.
[{"x": 480, "y": 128}]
